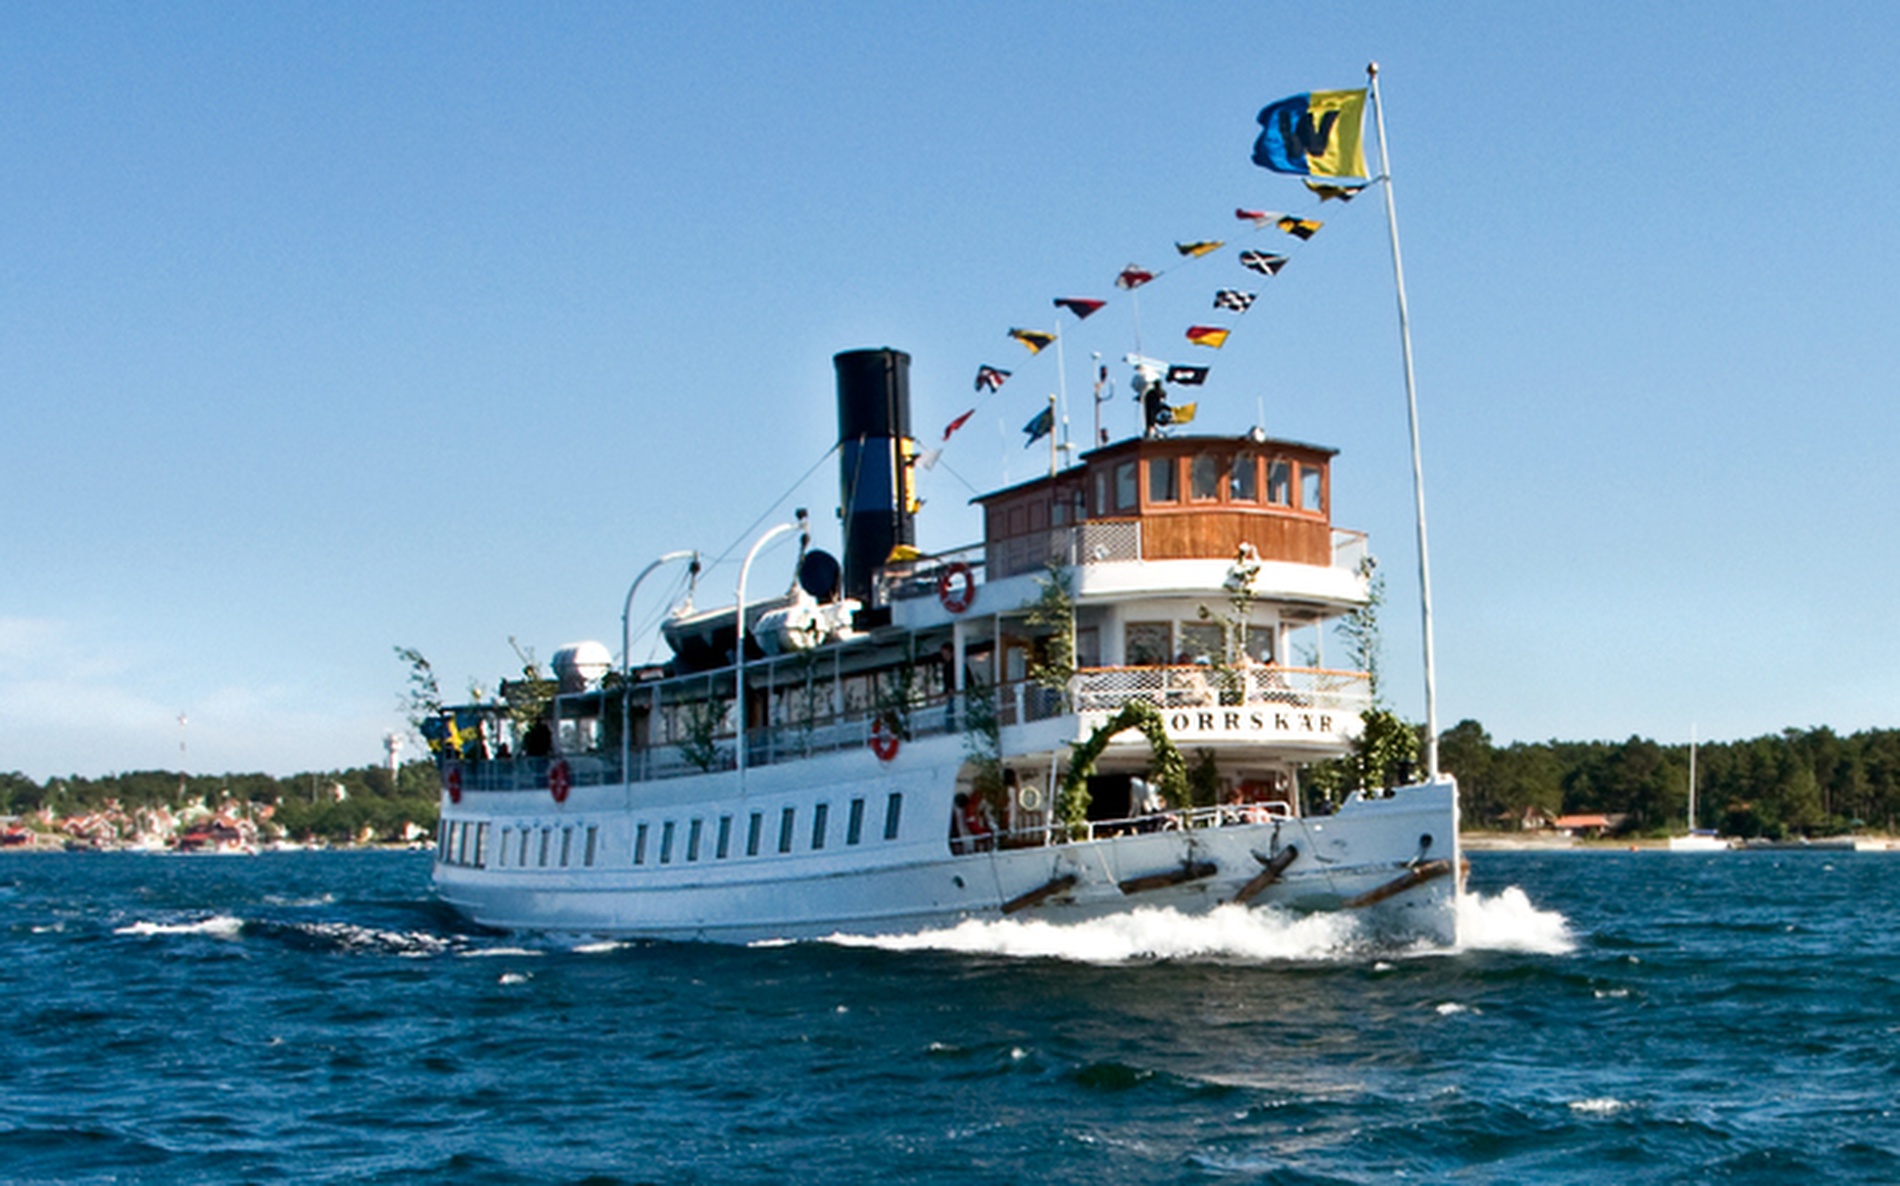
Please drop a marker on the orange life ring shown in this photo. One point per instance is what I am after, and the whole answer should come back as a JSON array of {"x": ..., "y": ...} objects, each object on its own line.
[
  {"x": 956, "y": 587},
  {"x": 453, "y": 781},
  {"x": 883, "y": 740},
  {"x": 560, "y": 778}
]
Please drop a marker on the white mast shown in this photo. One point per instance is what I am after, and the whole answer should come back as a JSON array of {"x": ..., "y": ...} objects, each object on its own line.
[
  {"x": 1418, "y": 471},
  {"x": 1691, "y": 779}
]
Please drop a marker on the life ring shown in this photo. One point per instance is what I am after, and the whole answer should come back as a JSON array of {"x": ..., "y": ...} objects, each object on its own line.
[
  {"x": 452, "y": 779},
  {"x": 883, "y": 740},
  {"x": 1029, "y": 798},
  {"x": 560, "y": 779},
  {"x": 956, "y": 587}
]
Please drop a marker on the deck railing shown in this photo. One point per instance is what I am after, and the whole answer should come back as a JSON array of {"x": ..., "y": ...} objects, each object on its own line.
[
  {"x": 1106, "y": 689},
  {"x": 1093, "y": 690}
]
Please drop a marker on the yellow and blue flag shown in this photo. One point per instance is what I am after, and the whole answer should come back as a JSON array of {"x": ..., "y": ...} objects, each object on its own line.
[{"x": 1317, "y": 134}]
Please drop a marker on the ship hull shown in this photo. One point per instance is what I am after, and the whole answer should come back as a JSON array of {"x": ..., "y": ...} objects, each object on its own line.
[{"x": 1391, "y": 860}]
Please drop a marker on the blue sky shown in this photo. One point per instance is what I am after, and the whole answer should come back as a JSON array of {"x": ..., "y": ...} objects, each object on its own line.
[{"x": 327, "y": 328}]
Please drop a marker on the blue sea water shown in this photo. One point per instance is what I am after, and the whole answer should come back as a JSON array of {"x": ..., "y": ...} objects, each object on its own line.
[{"x": 1619, "y": 1017}]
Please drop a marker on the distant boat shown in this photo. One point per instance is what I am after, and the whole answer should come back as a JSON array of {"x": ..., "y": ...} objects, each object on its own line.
[{"x": 1697, "y": 839}]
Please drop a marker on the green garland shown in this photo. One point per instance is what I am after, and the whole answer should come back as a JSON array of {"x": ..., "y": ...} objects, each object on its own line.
[{"x": 1169, "y": 769}]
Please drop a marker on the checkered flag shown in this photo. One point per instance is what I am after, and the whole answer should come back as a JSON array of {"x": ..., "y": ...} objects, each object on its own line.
[{"x": 1233, "y": 298}]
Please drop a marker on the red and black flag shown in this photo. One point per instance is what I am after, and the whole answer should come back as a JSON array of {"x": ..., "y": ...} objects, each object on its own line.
[
  {"x": 989, "y": 378},
  {"x": 1080, "y": 306},
  {"x": 1133, "y": 276}
]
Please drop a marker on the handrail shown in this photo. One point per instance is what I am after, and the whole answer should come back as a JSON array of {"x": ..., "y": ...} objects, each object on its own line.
[{"x": 787, "y": 737}]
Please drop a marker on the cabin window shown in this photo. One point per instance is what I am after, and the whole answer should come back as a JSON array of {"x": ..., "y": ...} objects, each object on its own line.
[
  {"x": 523, "y": 861},
  {"x": 787, "y": 820},
  {"x": 854, "y": 823},
  {"x": 567, "y": 844},
  {"x": 1243, "y": 484},
  {"x": 481, "y": 843},
  {"x": 1127, "y": 498},
  {"x": 1147, "y": 644},
  {"x": 1312, "y": 488},
  {"x": 1204, "y": 478},
  {"x": 666, "y": 843},
  {"x": 640, "y": 845},
  {"x": 501, "y": 850},
  {"x": 1201, "y": 642},
  {"x": 547, "y": 835},
  {"x": 820, "y": 816},
  {"x": 1280, "y": 482},
  {"x": 754, "y": 826},
  {"x": 1164, "y": 480},
  {"x": 724, "y": 848},
  {"x": 1088, "y": 646},
  {"x": 442, "y": 840},
  {"x": 588, "y": 857},
  {"x": 692, "y": 839},
  {"x": 893, "y": 813},
  {"x": 1259, "y": 643}
]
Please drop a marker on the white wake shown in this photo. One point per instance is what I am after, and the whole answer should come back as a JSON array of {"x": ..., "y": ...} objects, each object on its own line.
[{"x": 1235, "y": 934}]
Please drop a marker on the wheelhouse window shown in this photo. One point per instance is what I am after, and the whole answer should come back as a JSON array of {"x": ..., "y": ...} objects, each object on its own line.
[
  {"x": 1312, "y": 488},
  {"x": 1204, "y": 478},
  {"x": 1280, "y": 482},
  {"x": 1127, "y": 498},
  {"x": 1243, "y": 482},
  {"x": 1164, "y": 480}
]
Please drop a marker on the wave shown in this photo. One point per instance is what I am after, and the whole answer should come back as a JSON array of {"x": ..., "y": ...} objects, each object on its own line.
[
  {"x": 221, "y": 926},
  {"x": 1227, "y": 933},
  {"x": 1507, "y": 921},
  {"x": 1510, "y": 922}
]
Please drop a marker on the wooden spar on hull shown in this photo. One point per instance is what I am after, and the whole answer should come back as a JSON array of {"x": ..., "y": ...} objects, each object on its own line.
[
  {"x": 1189, "y": 871},
  {"x": 1416, "y": 876},
  {"x": 1269, "y": 875},
  {"x": 1041, "y": 893}
]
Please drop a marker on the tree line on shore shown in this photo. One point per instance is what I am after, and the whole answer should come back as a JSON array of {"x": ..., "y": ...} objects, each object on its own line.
[
  {"x": 1811, "y": 782},
  {"x": 333, "y": 805},
  {"x": 1799, "y": 782}
]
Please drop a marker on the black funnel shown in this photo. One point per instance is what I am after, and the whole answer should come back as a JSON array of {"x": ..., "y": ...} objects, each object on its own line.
[{"x": 873, "y": 471}]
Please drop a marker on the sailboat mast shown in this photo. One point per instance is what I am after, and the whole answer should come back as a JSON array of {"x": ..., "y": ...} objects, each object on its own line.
[
  {"x": 1418, "y": 469},
  {"x": 1691, "y": 778}
]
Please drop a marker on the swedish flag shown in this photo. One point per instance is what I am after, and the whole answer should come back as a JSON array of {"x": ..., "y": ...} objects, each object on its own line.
[{"x": 1317, "y": 134}]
